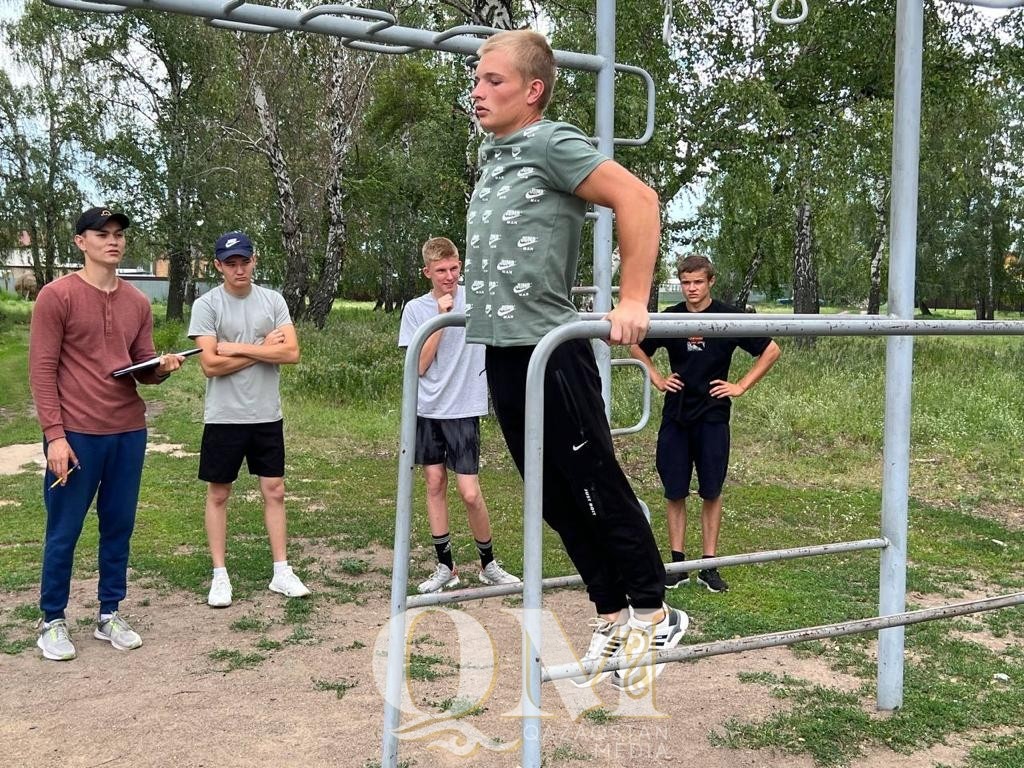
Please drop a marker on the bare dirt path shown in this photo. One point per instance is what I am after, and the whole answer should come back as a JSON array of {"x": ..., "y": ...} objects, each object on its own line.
[
  {"x": 169, "y": 703},
  {"x": 177, "y": 701}
]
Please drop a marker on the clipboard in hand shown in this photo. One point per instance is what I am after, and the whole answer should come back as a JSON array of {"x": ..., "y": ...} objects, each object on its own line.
[{"x": 151, "y": 363}]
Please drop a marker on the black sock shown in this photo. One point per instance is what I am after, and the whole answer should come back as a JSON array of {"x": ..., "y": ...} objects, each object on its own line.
[
  {"x": 443, "y": 547},
  {"x": 486, "y": 550},
  {"x": 678, "y": 557}
]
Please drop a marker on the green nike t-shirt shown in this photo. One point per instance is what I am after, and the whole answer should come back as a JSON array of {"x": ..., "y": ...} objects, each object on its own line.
[{"x": 523, "y": 233}]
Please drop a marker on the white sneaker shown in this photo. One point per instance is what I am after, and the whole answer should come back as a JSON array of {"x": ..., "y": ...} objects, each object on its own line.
[
  {"x": 606, "y": 643},
  {"x": 442, "y": 577},
  {"x": 55, "y": 640},
  {"x": 288, "y": 584},
  {"x": 645, "y": 640},
  {"x": 220, "y": 592},
  {"x": 117, "y": 632},
  {"x": 493, "y": 573}
]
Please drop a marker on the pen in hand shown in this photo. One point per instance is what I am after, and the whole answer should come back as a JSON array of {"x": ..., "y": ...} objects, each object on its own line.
[{"x": 65, "y": 477}]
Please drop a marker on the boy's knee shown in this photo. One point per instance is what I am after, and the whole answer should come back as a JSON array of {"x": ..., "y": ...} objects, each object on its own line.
[{"x": 273, "y": 489}]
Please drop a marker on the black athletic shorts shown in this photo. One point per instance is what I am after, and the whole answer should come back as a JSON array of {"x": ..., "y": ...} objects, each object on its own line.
[
  {"x": 452, "y": 442},
  {"x": 225, "y": 445},
  {"x": 704, "y": 446}
]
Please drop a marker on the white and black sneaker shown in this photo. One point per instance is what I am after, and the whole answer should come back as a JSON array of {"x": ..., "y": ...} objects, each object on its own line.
[
  {"x": 646, "y": 639},
  {"x": 606, "y": 643}
]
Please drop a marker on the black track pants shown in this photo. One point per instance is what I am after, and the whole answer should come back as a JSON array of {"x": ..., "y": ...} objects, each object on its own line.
[{"x": 587, "y": 499}]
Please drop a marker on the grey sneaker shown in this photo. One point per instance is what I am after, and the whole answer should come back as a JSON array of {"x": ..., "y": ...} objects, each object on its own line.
[
  {"x": 493, "y": 573},
  {"x": 55, "y": 640},
  {"x": 117, "y": 632},
  {"x": 288, "y": 584},
  {"x": 442, "y": 577}
]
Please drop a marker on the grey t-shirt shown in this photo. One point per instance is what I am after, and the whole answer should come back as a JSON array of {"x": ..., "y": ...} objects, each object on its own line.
[
  {"x": 251, "y": 395},
  {"x": 523, "y": 233},
  {"x": 454, "y": 386}
]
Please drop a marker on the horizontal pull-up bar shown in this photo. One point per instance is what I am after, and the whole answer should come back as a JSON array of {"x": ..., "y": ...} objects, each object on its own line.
[
  {"x": 789, "y": 637},
  {"x": 668, "y": 324},
  {"x": 351, "y": 23},
  {"x": 561, "y": 582}
]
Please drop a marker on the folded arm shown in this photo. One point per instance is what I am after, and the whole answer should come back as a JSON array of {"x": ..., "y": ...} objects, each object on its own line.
[{"x": 220, "y": 358}]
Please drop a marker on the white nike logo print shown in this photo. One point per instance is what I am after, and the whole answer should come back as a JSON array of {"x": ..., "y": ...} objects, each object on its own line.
[{"x": 577, "y": 447}]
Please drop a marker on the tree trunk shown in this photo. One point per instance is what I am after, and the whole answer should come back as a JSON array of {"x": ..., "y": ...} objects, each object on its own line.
[
  {"x": 805, "y": 276},
  {"x": 875, "y": 271},
  {"x": 296, "y": 268},
  {"x": 992, "y": 264},
  {"x": 980, "y": 309},
  {"x": 334, "y": 257},
  {"x": 749, "y": 278},
  {"x": 877, "y": 249}
]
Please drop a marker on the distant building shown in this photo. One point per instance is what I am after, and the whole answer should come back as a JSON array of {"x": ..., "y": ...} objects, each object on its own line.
[{"x": 16, "y": 263}]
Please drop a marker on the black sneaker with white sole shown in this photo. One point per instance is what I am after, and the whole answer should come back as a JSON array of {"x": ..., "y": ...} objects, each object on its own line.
[
  {"x": 673, "y": 580},
  {"x": 711, "y": 579}
]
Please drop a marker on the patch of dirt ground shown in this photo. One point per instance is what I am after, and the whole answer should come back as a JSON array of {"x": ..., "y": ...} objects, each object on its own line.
[
  {"x": 170, "y": 703},
  {"x": 316, "y": 695}
]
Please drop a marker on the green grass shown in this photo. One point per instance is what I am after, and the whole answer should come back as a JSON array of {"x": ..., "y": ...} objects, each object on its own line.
[
  {"x": 232, "y": 659},
  {"x": 428, "y": 667},
  {"x": 340, "y": 687},
  {"x": 806, "y": 469},
  {"x": 599, "y": 716}
]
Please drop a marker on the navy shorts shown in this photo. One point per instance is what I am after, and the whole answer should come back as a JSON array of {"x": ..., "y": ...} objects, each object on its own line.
[
  {"x": 225, "y": 445},
  {"x": 704, "y": 445},
  {"x": 452, "y": 442}
]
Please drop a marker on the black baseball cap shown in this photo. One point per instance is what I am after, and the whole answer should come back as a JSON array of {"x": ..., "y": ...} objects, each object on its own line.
[{"x": 96, "y": 218}]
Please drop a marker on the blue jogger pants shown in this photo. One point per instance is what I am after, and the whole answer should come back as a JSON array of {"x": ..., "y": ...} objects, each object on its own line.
[{"x": 110, "y": 471}]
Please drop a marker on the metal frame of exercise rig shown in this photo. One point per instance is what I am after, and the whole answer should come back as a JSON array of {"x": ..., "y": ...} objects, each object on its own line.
[{"x": 377, "y": 31}]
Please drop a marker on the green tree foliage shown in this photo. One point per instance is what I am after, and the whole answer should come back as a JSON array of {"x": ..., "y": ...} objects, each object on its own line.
[
  {"x": 44, "y": 125},
  {"x": 408, "y": 181},
  {"x": 785, "y": 132}
]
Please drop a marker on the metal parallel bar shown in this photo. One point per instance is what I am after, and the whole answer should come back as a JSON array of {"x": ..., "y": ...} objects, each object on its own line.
[
  {"x": 789, "y": 637},
  {"x": 644, "y": 75},
  {"x": 899, "y": 356},
  {"x": 327, "y": 24},
  {"x": 645, "y": 414},
  {"x": 666, "y": 325},
  {"x": 604, "y": 127},
  {"x": 403, "y": 531},
  {"x": 465, "y": 29},
  {"x": 238, "y": 26},
  {"x": 383, "y": 19},
  {"x": 81, "y": 5},
  {"x": 563, "y": 582},
  {"x": 788, "y": 20},
  {"x": 998, "y": 4}
]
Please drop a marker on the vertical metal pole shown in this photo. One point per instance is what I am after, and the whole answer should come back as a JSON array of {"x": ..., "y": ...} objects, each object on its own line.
[
  {"x": 400, "y": 565},
  {"x": 533, "y": 560},
  {"x": 899, "y": 364},
  {"x": 604, "y": 123}
]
